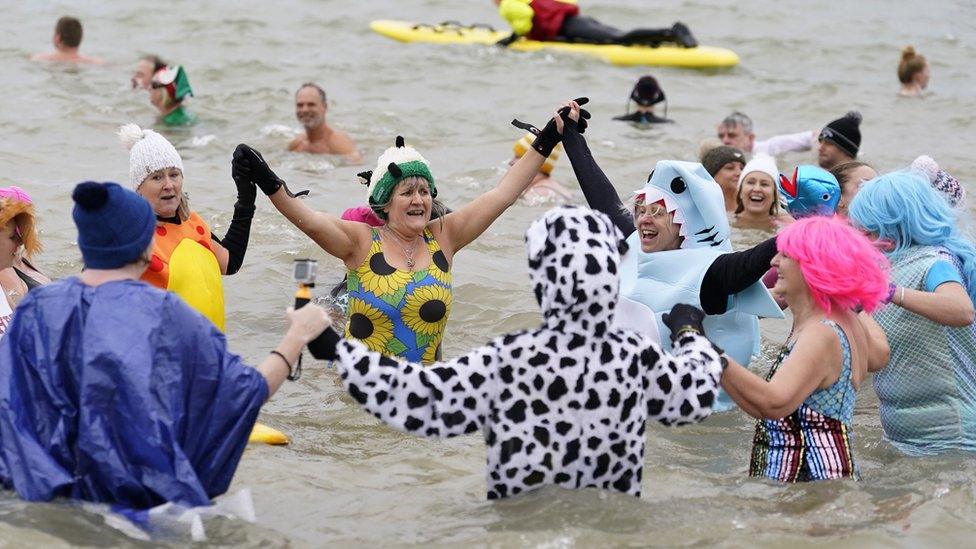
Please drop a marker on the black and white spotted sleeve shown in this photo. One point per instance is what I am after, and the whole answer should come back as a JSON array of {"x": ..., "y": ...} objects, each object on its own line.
[
  {"x": 681, "y": 387},
  {"x": 444, "y": 399}
]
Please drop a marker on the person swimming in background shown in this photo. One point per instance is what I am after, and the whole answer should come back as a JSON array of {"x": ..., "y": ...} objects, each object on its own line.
[
  {"x": 544, "y": 188},
  {"x": 646, "y": 93},
  {"x": 736, "y": 130},
  {"x": 311, "y": 106},
  {"x": 146, "y": 67},
  {"x": 67, "y": 41},
  {"x": 168, "y": 90},
  {"x": 914, "y": 73},
  {"x": 22, "y": 276},
  {"x": 559, "y": 20}
]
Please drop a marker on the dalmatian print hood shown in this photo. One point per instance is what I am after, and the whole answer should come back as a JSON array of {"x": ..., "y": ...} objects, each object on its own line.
[{"x": 574, "y": 255}]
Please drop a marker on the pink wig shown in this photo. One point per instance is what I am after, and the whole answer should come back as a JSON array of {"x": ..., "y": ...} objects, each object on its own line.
[{"x": 840, "y": 265}]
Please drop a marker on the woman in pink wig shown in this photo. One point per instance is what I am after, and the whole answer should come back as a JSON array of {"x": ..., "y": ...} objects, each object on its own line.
[{"x": 805, "y": 405}]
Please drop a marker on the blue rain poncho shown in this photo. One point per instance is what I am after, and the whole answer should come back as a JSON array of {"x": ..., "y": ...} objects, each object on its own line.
[{"x": 120, "y": 394}]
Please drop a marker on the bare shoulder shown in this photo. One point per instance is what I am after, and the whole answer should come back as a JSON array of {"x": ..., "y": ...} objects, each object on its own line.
[
  {"x": 299, "y": 144},
  {"x": 341, "y": 143}
]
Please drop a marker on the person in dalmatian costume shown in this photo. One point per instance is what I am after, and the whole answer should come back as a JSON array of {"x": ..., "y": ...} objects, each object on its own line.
[{"x": 565, "y": 403}]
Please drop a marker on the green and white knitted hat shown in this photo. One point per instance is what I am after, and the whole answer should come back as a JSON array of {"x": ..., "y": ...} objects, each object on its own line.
[{"x": 393, "y": 166}]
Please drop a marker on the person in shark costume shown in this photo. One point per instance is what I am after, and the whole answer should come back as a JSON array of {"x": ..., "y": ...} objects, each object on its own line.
[{"x": 700, "y": 269}]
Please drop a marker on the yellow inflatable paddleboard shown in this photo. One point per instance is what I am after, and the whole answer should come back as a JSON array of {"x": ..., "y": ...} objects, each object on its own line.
[
  {"x": 266, "y": 435},
  {"x": 702, "y": 57}
]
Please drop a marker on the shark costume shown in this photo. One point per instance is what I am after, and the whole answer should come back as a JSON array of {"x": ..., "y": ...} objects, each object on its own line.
[
  {"x": 565, "y": 403},
  {"x": 704, "y": 271}
]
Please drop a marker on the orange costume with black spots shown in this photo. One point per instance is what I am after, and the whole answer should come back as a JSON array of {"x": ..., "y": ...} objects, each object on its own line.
[{"x": 183, "y": 262}]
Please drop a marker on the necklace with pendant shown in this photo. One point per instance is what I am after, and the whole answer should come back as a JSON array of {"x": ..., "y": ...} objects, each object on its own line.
[{"x": 407, "y": 252}]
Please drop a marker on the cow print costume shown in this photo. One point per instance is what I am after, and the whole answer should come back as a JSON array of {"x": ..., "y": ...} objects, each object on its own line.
[{"x": 565, "y": 403}]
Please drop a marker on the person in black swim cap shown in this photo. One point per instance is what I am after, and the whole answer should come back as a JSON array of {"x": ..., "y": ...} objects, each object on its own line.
[{"x": 646, "y": 93}]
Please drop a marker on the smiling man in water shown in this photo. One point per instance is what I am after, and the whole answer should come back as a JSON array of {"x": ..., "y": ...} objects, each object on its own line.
[{"x": 319, "y": 138}]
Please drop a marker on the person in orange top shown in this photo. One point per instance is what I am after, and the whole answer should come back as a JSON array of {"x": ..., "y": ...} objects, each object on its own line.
[
  {"x": 550, "y": 20},
  {"x": 187, "y": 258}
]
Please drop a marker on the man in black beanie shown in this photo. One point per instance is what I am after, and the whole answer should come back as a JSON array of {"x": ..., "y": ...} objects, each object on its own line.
[{"x": 840, "y": 141}]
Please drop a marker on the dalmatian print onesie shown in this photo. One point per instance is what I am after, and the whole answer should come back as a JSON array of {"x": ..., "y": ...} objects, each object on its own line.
[{"x": 565, "y": 403}]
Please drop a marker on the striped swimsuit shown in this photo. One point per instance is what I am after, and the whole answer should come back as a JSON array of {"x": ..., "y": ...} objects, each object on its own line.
[{"x": 814, "y": 442}]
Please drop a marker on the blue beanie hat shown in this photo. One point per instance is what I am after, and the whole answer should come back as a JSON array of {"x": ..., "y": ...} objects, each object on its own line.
[{"x": 115, "y": 225}]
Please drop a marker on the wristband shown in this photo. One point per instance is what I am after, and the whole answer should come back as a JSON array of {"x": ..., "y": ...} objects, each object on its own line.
[{"x": 292, "y": 376}]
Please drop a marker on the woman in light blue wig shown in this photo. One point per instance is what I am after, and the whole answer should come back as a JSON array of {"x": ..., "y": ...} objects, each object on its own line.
[{"x": 928, "y": 390}]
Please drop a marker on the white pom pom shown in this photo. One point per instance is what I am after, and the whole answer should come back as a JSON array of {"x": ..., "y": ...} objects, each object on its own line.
[
  {"x": 926, "y": 165},
  {"x": 130, "y": 134}
]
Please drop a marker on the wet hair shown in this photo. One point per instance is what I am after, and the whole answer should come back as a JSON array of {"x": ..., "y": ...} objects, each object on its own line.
[
  {"x": 437, "y": 208},
  {"x": 842, "y": 172},
  {"x": 314, "y": 86},
  {"x": 841, "y": 267},
  {"x": 69, "y": 31},
  {"x": 741, "y": 207},
  {"x": 902, "y": 208},
  {"x": 738, "y": 119},
  {"x": 911, "y": 63},
  {"x": 156, "y": 61}
]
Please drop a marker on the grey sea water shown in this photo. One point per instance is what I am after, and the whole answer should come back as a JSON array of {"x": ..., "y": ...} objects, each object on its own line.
[{"x": 346, "y": 480}]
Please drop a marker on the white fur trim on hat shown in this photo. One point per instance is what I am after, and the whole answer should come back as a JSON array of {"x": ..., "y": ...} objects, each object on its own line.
[
  {"x": 148, "y": 152},
  {"x": 761, "y": 163},
  {"x": 396, "y": 155}
]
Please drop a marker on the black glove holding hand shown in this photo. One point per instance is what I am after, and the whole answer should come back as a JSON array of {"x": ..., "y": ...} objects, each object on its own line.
[
  {"x": 548, "y": 137},
  {"x": 249, "y": 165},
  {"x": 684, "y": 318},
  {"x": 247, "y": 192}
]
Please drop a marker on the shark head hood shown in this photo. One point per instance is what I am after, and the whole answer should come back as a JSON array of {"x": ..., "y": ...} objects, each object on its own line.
[
  {"x": 695, "y": 201},
  {"x": 574, "y": 256}
]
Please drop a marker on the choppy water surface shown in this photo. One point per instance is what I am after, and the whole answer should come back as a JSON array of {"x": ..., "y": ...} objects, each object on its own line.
[{"x": 347, "y": 480}]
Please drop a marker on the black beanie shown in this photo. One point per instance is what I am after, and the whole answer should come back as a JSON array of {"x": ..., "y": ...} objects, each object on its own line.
[{"x": 844, "y": 133}]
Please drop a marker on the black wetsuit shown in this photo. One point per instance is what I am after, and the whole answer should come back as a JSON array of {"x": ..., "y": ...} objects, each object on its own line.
[
  {"x": 643, "y": 118},
  {"x": 581, "y": 28},
  {"x": 729, "y": 274}
]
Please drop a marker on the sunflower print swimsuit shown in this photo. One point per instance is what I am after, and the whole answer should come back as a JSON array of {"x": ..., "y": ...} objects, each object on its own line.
[{"x": 397, "y": 312}]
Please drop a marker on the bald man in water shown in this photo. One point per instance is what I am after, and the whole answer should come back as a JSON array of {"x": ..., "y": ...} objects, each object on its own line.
[{"x": 319, "y": 138}]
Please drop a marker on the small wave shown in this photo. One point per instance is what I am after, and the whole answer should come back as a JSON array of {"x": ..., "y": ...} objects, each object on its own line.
[
  {"x": 201, "y": 141},
  {"x": 278, "y": 130}
]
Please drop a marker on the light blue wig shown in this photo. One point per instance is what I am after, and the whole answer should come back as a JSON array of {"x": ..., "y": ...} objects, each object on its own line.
[{"x": 901, "y": 207}]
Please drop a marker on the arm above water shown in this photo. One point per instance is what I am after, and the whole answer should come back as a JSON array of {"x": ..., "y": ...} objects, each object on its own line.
[
  {"x": 682, "y": 386},
  {"x": 597, "y": 188},
  {"x": 444, "y": 399},
  {"x": 732, "y": 273}
]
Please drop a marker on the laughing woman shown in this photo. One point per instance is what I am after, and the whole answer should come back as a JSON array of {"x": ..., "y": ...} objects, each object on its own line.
[
  {"x": 399, "y": 274},
  {"x": 757, "y": 202}
]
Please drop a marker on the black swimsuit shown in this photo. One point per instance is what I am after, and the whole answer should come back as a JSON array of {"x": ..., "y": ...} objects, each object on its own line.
[{"x": 30, "y": 282}]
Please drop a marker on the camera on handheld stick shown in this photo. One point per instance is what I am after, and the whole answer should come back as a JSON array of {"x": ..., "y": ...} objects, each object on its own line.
[{"x": 304, "y": 272}]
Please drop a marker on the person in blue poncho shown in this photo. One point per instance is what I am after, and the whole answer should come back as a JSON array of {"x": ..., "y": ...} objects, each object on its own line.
[{"x": 114, "y": 391}]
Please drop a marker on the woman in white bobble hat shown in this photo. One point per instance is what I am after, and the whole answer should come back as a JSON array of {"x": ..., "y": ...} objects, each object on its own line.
[
  {"x": 757, "y": 202},
  {"x": 187, "y": 258}
]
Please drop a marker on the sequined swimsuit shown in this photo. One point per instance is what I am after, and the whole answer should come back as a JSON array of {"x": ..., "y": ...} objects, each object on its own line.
[
  {"x": 398, "y": 312},
  {"x": 814, "y": 442}
]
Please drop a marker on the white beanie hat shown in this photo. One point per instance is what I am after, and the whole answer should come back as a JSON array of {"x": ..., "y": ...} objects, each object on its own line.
[
  {"x": 148, "y": 152},
  {"x": 761, "y": 163}
]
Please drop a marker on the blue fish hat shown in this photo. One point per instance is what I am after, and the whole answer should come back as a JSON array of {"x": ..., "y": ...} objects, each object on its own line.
[
  {"x": 811, "y": 191},
  {"x": 695, "y": 201}
]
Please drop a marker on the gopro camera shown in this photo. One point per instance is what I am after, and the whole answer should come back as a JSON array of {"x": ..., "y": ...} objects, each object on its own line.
[{"x": 305, "y": 271}]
